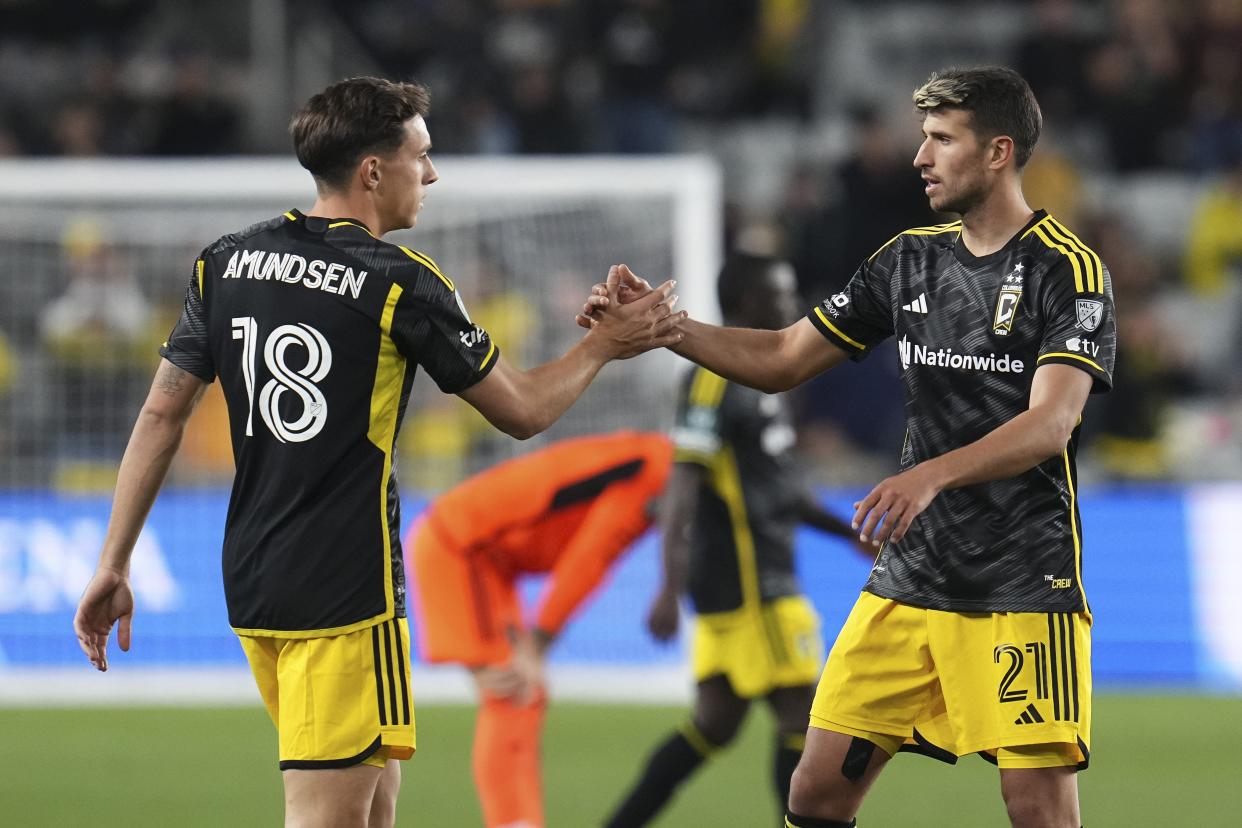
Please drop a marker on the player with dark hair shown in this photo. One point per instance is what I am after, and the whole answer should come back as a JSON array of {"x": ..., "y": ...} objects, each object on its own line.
[
  {"x": 315, "y": 328},
  {"x": 733, "y": 502},
  {"x": 569, "y": 510},
  {"x": 973, "y": 631}
]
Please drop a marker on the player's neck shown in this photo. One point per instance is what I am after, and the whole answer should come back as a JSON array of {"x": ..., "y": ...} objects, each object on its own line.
[
  {"x": 989, "y": 225},
  {"x": 351, "y": 206}
]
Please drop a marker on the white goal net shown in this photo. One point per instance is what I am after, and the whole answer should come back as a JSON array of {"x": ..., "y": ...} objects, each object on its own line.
[{"x": 94, "y": 258}]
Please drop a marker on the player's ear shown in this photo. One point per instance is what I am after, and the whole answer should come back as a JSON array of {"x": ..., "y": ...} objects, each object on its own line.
[
  {"x": 369, "y": 172},
  {"x": 1000, "y": 152}
]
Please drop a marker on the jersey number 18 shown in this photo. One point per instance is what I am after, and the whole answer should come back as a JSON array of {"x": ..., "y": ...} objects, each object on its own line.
[{"x": 298, "y": 381}]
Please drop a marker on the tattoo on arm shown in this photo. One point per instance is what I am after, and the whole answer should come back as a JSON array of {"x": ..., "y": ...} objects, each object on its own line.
[{"x": 171, "y": 380}]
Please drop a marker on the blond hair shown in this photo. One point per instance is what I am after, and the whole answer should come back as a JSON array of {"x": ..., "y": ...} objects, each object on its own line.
[{"x": 999, "y": 100}]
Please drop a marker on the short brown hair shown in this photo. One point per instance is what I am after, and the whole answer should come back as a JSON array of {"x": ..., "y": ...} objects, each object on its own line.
[
  {"x": 999, "y": 100},
  {"x": 350, "y": 119}
]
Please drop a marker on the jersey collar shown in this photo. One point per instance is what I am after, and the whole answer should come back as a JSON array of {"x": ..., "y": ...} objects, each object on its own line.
[
  {"x": 974, "y": 262},
  {"x": 319, "y": 224}
]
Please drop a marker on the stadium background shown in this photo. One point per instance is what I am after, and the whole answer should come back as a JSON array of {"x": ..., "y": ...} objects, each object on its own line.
[{"x": 568, "y": 136}]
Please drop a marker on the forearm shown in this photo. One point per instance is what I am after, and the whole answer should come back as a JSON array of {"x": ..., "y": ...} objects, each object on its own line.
[
  {"x": 770, "y": 361},
  {"x": 1009, "y": 450},
  {"x": 557, "y": 385},
  {"x": 144, "y": 466},
  {"x": 528, "y": 402},
  {"x": 676, "y": 524},
  {"x": 742, "y": 355}
]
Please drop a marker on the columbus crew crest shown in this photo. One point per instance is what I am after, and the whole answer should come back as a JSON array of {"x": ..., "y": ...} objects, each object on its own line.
[{"x": 1007, "y": 302}]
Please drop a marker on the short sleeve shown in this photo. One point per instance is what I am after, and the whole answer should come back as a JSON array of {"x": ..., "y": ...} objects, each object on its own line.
[
  {"x": 697, "y": 434},
  {"x": 860, "y": 316},
  {"x": 187, "y": 347},
  {"x": 432, "y": 327},
  {"x": 1081, "y": 326}
]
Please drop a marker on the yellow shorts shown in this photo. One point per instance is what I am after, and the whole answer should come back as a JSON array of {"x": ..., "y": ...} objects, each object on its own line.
[
  {"x": 1014, "y": 687},
  {"x": 757, "y": 650},
  {"x": 338, "y": 701}
]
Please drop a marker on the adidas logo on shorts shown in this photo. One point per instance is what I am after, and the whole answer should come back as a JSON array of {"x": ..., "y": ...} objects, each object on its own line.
[{"x": 1029, "y": 716}]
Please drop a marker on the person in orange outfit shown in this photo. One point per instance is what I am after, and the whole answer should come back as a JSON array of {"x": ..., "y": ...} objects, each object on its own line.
[{"x": 568, "y": 510}]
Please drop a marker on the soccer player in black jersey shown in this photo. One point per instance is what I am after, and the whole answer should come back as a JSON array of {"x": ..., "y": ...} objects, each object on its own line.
[
  {"x": 315, "y": 328},
  {"x": 732, "y": 503},
  {"x": 973, "y": 632}
]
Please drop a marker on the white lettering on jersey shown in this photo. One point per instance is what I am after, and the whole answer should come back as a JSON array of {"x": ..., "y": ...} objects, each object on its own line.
[
  {"x": 912, "y": 354},
  {"x": 1080, "y": 345},
  {"x": 292, "y": 269}
]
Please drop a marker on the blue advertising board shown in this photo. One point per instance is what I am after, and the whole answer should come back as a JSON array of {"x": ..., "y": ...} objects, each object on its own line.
[{"x": 1159, "y": 620}]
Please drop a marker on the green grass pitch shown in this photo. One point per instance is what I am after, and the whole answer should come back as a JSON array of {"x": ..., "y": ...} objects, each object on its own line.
[{"x": 1158, "y": 760}]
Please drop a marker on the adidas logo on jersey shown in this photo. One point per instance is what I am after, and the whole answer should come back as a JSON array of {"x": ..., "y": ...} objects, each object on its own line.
[{"x": 918, "y": 305}]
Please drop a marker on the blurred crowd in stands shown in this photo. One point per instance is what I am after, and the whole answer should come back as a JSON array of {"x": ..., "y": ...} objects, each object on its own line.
[{"x": 1139, "y": 97}]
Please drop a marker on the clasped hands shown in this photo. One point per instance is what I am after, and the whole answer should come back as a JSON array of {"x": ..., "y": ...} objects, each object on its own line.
[{"x": 628, "y": 311}]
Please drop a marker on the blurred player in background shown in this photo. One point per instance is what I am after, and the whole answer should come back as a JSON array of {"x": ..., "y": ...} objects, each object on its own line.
[
  {"x": 315, "y": 328},
  {"x": 569, "y": 510},
  {"x": 733, "y": 501},
  {"x": 973, "y": 632}
]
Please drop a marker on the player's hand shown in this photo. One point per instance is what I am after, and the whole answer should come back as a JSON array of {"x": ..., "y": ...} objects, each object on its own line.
[
  {"x": 528, "y": 663},
  {"x": 629, "y": 329},
  {"x": 888, "y": 510},
  {"x": 107, "y": 599},
  {"x": 630, "y": 287},
  {"x": 498, "y": 682},
  {"x": 664, "y": 616}
]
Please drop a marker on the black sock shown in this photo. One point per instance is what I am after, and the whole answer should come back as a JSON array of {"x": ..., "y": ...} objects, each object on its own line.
[
  {"x": 788, "y": 751},
  {"x": 674, "y": 760},
  {"x": 792, "y": 820}
]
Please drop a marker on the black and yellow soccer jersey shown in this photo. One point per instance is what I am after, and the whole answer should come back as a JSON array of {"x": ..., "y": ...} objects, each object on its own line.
[
  {"x": 971, "y": 331},
  {"x": 741, "y": 543},
  {"x": 315, "y": 329}
]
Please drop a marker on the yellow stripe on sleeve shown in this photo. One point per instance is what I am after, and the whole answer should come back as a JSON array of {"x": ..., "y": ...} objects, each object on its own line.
[
  {"x": 491, "y": 352},
  {"x": 425, "y": 260},
  {"x": 1090, "y": 362},
  {"x": 1071, "y": 255},
  {"x": 198, "y": 265},
  {"x": 290, "y": 216},
  {"x": 822, "y": 318},
  {"x": 1096, "y": 282}
]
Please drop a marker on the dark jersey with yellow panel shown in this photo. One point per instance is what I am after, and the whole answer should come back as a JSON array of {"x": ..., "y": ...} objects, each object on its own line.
[
  {"x": 971, "y": 332},
  {"x": 741, "y": 543},
  {"x": 315, "y": 329}
]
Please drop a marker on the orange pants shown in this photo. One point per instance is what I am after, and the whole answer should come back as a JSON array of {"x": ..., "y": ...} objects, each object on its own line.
[{"x": 463, "y": 602}]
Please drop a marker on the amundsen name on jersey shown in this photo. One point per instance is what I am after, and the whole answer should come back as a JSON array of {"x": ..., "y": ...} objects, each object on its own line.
[
  {"x": 293, "y": 269},
  {"x": 912, "y": 354}
]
